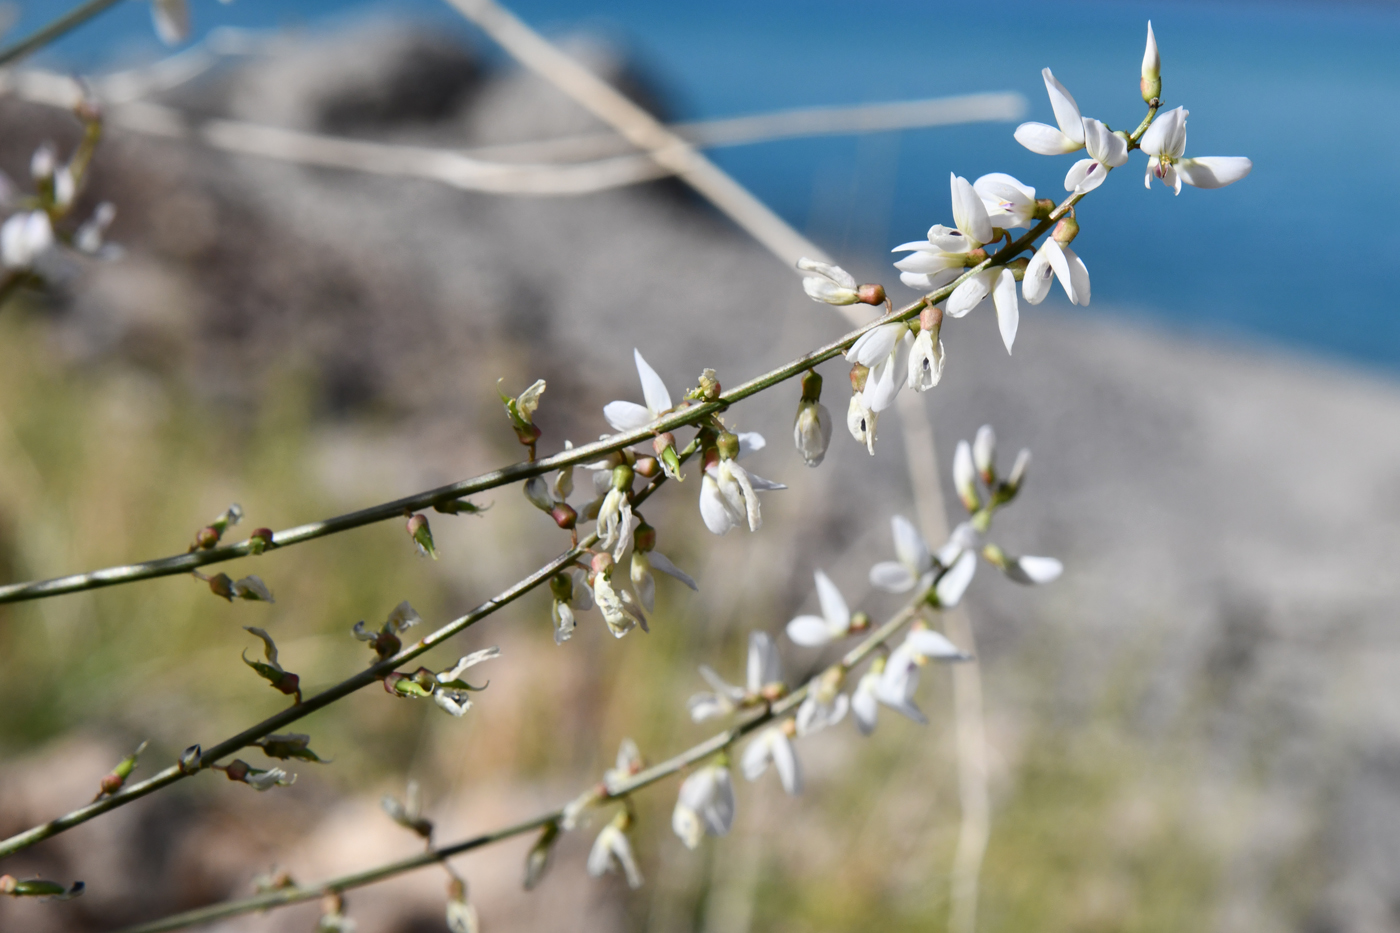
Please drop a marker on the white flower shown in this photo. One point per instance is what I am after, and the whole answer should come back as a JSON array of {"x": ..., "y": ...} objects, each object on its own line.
[
  {"x": 984, "y": 453},
  {"x": 615, "y": 521},
  {"x": 878, "y": 349},
  {"x": 827, "y": 283},
  {"x": 729, "y": 493},
  {"x": 24, "y": 238},
  {"x": 455, "y": 702},
  {"x": 870, "y": 693},
  {"x": 1165, "y": 141},
  {"x": 611, "y": 847},
  {"x": 619, "y": 608},
  {"x": 833, "y": 623},
  {"x": 817, "y": 712},
  {"x": 941, "y": 259},
  {"x": 643, "y": 562},
  {"x": 1000, "y": 283},
  {"x": 900, "y": 678},
  {"x": 914, "y": 566},
  {"x": 1151, "y": 83},
  {"x": 1028, "y": 569},
  {"x": 1058, "y": 261},
  {"x": 1046, "y": 140},
  {"x": 266, "y": 780},
  {"x": 763, "y": 667},
  {"x": 461, "y": 916},
  {"x": 1009, "y": 203},
  {"x": 628, "y": 416},
  {"x": 861, "y": 422},
  {"x": 171, "y": 19},
  {"x": 1107, "y": 150},
  {"x": 925, "y": 362},
  {"x": 965, "y": 476},
  {"x": 811, "y": 432},
  {"x": 468, "y": 661},
  {"x": 629, "y": 763},
  {"x": 773, "y": 745},
  {"x": 705, "y": 805}
]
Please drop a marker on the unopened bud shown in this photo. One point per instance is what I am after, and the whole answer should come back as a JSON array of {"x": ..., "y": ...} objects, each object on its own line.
[
  {"x": 113, "y": 781},
  {"x": 647, "y": 466},
  {"x": 728, "y": 445},
  {"x": 811, "y": 430},
  {"x": 644, "y": 538},
  {"x": 537, "y": 861},
  {"x": 189, "y": 759},
  {"x": 994, "y": 555},
  {"x": 206, "y": 538},
  {"x": 260, "y": 540},
  {"x": 422, "y": 535},
  {"x": 220, "y": 584},
  {"x": 1066, "y": 230},
  {"x": 1151, "y": 83},
  {"x": 871, "y": 294},
  {"x": 860, "y": 621},
  {"x": 984, "y": 453},
  {"x": 564, "y": 516}
]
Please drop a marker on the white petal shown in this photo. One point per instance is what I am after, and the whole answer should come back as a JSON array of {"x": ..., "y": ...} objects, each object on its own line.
[
  {"x": 931, "y": 644},
  {"x": 1105, "y": 147},
  {"x": 1084, "y": 176},
  {"x": 1078, "y": 276},
  {"x": 864, "y": 707},
  {"x": 653, "y": 389},
  {"x": 785, "y": 760},
  {"x": 764, "y": 485},
  {"x": 749, "y": 442},
  {"x": 892, "y": 577},
  {"x": 1066, "y": 110},
  {"x": 1055, "y": 254},
  {"x": 719, "y": 815},
  {"x": 1213, "y": 171},
  {"x": 1003, "y": 187},
  {"x": 627, "y": 416},
  {"x": 970, "y": 293},
  {"x": 1165, "y": 132},
  {"x": 953, "y": 584},
  {"x": 810, "y": 631},
  {"x": 969, "y": 213},
  {"x": 1008, "y": 311},
  {"x": 663, "y": 563},
  {"x": 764, "y": 666},
  {"x": 755, "y": 758},
  {"x": 875, "y": 345},
  {"x": 1035, "y": 285},
  {"x": 1045, "y": 140},
  {"x": 909, "y": 545},
  {"x": 713, "y": 508},
  {"x": 881, "y": 387},
  {"x": 834, "y": 608},
  {"x": 930, "y": 261},
  {"x": 172, "y": 20},
  {"x": 1035, "y": 569},
  {"x": 705, "y": 706}
]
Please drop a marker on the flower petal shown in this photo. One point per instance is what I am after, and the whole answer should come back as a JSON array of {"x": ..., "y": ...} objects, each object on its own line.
[
  {"x": 1213, "y": 171},
  {"x": 1032, "y": 570},
  {"x": 713, "y": 508},
  {"x": 653, "y": 389},
  {"x": 810, "y": 631},
  {"x": 931, "y": 644},
  {"x": 969, "y": 213},
  {"x": 1055, "y": 254},
  {"x": 892, "y": 577},
  {"x": 663, "y": 563},
  {"x": 1078, "y": 276},
  {"x": 1066, "y": 110},
  {"x": 1008, "y": 311},
  {"x": 1084, "y": 176},
  {"x": 834, "y": 608},
  {"x": 953, "y": 584},
  {"x": 1045, "y": 140},
  {"x": 627, "y": 416},
  {"x": 970, "y": 293}
]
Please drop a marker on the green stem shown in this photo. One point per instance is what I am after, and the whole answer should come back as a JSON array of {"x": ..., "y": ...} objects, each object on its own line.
[{"x": 65, "y": 23}]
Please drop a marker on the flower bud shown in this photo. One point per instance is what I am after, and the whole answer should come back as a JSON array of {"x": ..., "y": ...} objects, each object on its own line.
[
  {"x": 860, "y": 621},
  {"x": 1151, "y": 83},
  {"x": 871, "y": 294},
  {"x": 43, "y": 162},
  {"x": 564, "y": 516},
  {"x": 965, "y": 477},
  {"x": 647, "y": 466},
  {"x": 728, "y": 445},
  {"x": 189, "y": 759},
  {"x": 811, "y": 431},
  {"x": 644, "y": 538},
  {"x": 602, "y": 563},
  {"x": 206, "y": 538},
  {"x": 859, "y": 375},
  {"x": 537, "y": 861},
  {"x": 521, "y": 411},
  {"x": 422, "y": 535},
  {"x": 113, "y": 781},
  {"x": 665, "y": 447},
  {"x": 1044, "y": 207},
  {"x": 828, "y": 283},
  {"x": 1066, "y": 230},
  {"x": 221, "y": 584},
  {"x": 260, "y": 540},
  {"x": 984, "y": 452}
]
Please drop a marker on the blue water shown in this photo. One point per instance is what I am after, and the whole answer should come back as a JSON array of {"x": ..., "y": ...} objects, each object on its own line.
[{"x": 1294, "y": 254}]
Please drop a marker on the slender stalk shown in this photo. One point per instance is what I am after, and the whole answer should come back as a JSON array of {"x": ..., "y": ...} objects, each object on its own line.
[
  {"x": 54, "y": 30},
  {"x": 692, "y": 414},
  {"x": 696, "y": 753}
]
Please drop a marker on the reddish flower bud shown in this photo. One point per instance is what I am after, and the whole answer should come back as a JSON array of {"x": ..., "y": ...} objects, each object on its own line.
[
  {"x": 647, "y": 466},
  {"x": 871, "y": 294},
  {"x": 564, "y": 516}
]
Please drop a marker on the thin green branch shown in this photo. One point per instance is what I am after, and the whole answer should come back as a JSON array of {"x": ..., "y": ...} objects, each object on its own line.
[{"x": 54, "y": 30}]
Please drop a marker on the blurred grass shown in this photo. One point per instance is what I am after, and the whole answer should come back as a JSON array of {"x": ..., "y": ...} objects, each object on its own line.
[{"x": 104, "y": 463}]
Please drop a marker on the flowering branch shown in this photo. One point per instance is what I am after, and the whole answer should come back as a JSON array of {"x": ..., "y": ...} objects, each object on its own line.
[
  {"x": 55, "y": 30},
  {"x": 602, "y": 794}
]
